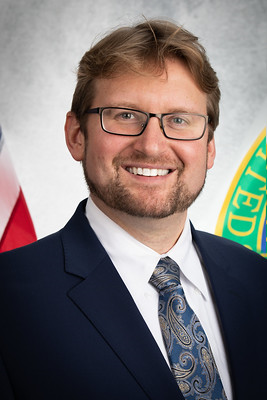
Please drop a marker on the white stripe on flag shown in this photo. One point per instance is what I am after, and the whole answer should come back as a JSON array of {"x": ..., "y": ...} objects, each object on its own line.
[{"x": 9, "y": 186}]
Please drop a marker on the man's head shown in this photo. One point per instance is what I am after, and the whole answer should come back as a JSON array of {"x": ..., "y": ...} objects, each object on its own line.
[
  {"x": 144, "y": 48},
  {"x": 148, "y": 170}
]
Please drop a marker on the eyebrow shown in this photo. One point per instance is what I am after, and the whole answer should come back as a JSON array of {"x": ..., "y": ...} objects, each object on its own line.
[
  {"x": 135, "y": 107},
  {"x": 124, "y": 105}
]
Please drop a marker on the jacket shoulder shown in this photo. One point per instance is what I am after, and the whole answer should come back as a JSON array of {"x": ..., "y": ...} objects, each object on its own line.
[
  {"x": 47, "y": 247},
  {"x": 232, "y": 255},
  {"x": 40, "y": 250},
  {"x": 224, "y": 244}
]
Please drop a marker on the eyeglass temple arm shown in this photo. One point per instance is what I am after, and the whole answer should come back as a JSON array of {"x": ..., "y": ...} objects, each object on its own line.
[{"x": 93, "y": 110}]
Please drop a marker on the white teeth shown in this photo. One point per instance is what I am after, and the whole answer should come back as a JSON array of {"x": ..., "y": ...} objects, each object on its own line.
[
  {"x": 153, "y": 172},
  {"x": 148, "y": 171},
  {"x": 163, "y": 172}
]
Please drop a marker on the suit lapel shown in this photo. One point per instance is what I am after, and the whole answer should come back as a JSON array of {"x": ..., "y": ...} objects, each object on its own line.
[
  {"x": 228, "y": 292},
  {"x": 106, "y": 302},
  {"x": 230, "y": 300}
]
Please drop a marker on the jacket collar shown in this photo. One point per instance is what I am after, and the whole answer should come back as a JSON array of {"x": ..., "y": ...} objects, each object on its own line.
[
  {"x": 220, "y": 259},
  {"x": 105, "y": 301}
]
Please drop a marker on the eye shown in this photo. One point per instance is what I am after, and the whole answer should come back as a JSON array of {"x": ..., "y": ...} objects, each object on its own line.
[
  {"x": 125, "y": 115},
  {"x": 177, "y": 120}
]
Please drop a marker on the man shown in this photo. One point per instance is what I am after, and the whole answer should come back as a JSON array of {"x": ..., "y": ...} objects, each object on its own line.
[{"x": 79, "y": 309}]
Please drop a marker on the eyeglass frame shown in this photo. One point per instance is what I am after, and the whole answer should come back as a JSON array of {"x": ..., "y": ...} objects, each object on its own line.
[{"x": 99, "y": 110}]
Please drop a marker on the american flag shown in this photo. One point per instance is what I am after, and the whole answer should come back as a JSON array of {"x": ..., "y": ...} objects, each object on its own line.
[{"x": 16, "y": 227}]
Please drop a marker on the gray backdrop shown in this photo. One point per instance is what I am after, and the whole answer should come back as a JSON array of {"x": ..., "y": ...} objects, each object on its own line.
[{"x": 41, "y": 43}]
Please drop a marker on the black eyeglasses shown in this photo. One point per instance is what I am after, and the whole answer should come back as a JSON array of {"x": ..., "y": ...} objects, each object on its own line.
[{"x": 130, "y": 122}]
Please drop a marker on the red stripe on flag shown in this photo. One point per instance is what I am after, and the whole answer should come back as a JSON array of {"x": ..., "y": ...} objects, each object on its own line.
[{"x": 19, "y": 230}]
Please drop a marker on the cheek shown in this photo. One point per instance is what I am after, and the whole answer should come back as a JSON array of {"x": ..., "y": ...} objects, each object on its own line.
[
  {"x": 98, "y": 163},
  {"x": 192, "y": 153},
  {"x": 102, "y": 149},
  {"x": 95, "y": 164},
  {"x": 194, "y": 158}
]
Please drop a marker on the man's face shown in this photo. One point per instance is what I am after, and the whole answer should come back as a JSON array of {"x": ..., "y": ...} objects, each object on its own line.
[{"x": 109, "y": 160}]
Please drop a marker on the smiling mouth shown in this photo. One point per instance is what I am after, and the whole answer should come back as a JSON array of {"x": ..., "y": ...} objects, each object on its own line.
[{"x": 148, "y": 171}]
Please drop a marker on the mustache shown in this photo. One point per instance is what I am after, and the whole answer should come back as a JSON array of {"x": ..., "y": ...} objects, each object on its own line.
[{"x": 141, "y": 158}]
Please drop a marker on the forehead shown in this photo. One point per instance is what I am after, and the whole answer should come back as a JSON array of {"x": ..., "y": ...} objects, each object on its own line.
[{"x": 172, "y": 88}]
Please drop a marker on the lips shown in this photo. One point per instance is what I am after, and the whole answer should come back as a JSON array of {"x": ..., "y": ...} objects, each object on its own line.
[{"x": 147, "y": 171}]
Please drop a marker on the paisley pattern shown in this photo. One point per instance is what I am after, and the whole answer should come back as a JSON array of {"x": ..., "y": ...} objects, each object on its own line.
[{"x": 190, "y": 356}]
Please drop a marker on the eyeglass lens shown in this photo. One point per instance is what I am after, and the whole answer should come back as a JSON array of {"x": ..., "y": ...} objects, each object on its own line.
[{"x": 132, "y": 122}]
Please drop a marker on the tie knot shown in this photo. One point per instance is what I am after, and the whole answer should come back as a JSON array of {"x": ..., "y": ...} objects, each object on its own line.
[{"x": 165, "y": 275}]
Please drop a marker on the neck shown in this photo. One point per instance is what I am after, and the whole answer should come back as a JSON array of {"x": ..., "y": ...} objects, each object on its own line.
[{"x": 158, "y": 234}]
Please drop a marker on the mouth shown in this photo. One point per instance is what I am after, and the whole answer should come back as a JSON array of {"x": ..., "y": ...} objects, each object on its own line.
[{"x": 148, "y": 171}]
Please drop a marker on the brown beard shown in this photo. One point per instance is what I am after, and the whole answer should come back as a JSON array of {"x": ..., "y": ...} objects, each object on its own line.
[{"x": 117, "y": 196}]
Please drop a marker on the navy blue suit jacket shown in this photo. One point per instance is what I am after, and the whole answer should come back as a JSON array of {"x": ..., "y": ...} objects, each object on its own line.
[{"x": 69, "y": 328}]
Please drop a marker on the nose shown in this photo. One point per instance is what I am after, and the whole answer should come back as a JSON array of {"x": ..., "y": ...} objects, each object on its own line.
[{"x": 152, "y": 142}]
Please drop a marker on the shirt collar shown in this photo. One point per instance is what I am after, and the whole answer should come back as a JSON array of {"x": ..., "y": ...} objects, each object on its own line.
[{"x": 124, "y": 251}]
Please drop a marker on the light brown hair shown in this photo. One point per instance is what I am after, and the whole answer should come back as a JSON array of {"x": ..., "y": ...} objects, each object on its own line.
[{"x": 135, "y": 48}]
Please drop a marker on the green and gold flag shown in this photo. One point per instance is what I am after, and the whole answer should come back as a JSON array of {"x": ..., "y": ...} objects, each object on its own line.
[{"x": 243, "y": 214}]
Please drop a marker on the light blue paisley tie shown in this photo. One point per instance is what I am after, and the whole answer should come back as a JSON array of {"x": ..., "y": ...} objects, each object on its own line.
[{"x": 190, "y": 356}]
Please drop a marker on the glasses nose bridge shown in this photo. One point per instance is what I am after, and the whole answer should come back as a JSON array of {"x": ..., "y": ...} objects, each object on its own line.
[{"x": 158, "y": 116}]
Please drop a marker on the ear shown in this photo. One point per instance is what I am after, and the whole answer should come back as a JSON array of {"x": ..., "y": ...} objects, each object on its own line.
[
  {"x": 74, "y": 137},
  {"x": 211, "y": 153}
]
